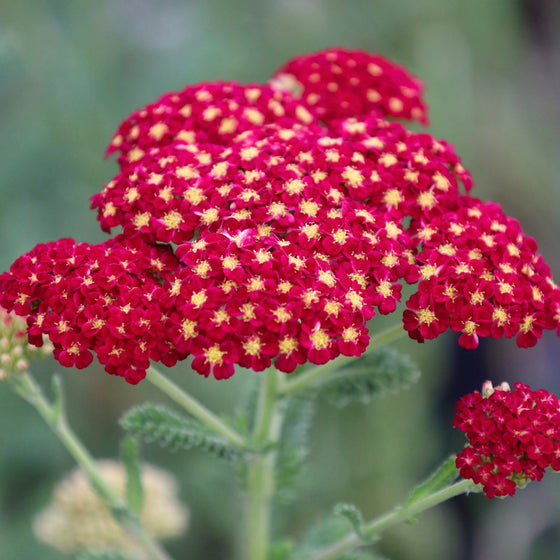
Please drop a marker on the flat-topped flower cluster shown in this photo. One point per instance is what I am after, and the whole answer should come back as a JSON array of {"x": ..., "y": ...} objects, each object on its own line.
[
  {"x": 513, "y": 437},
  {"x": 269, "y": 223}
]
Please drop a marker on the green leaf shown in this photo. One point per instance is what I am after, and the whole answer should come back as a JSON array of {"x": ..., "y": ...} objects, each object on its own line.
[
  {"x": 442, "y": 477},
  {"x": 354, "y": 516},
  {"x": 293, "y": 446},
  {"x": 131, "y": 460},
  {"x": 378, "y": 372},
  {"x": 156, "y": 423}
]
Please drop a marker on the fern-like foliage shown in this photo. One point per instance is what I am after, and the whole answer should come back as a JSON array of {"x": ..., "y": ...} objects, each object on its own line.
[
  {"x": 158, "y": 424},
  {"x": 378, "y": 372},
  {"x": 293, "y": 446}
]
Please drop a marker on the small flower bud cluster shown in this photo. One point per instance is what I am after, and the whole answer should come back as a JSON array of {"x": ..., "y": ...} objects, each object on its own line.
[
  {"x": 513, "y": 437},
  {"x": 15, "y": 350},
  {"x": 267, "y": 224},
  {"x": 78, "y": 521}
]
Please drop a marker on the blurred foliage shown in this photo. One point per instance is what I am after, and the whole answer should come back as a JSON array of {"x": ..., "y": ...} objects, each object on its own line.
[{"x": 71, "y": 71}]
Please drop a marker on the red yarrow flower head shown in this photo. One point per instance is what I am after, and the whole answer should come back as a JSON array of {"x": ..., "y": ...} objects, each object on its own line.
[
  {"x": 267, "y": 225},
  {"x": 514, "y": 436}
]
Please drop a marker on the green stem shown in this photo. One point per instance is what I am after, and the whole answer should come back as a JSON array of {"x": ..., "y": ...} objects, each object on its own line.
[
  {"x": 309, "y": 377},
  {"x": 261, "y": 466},
  {"x": 53, "y": 414},
  {"x": 193, "y": 407},
  {"x": 393, "y": 517},
  {"x": 390, "y": 334}
]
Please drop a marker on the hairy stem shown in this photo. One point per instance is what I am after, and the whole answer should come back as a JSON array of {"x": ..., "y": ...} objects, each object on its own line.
[
  {"x": 393, "y": 517},
  {"x": 261, "y": 466},
  {"x": 53, "y": 414},
  {"x": 193, "y": 407}
]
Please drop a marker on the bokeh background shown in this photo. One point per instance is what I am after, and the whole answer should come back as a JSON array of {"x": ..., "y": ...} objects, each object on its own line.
[{"x": 71, "y": 71}]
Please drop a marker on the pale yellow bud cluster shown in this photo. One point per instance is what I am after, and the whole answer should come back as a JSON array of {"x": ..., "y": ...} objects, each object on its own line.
[
  {"x": 77, "y": 520},
  {"x": 15, "y": 350}
]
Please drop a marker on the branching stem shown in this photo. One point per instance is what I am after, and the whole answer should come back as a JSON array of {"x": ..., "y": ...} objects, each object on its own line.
[
  {"x": 394, "y": 517},
  {"x": 193, "y": 407},
  {"x": 53, "y": 414}
]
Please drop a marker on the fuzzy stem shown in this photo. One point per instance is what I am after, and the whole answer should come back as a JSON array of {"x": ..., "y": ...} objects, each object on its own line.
[
  {"x": 311, "y": 376},
  {"x": 261, "y": 466},
  {"x": 393, "y": 517},
  {"x": 193, "y": 407},
  {"x": 53, "y": 414}
]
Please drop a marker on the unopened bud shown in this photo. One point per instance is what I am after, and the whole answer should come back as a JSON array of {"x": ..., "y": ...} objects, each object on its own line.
[
  {"x": 22, "y": 365},
  {"x": 487, "y": 389},
  {"x": 15, "y": 348}
]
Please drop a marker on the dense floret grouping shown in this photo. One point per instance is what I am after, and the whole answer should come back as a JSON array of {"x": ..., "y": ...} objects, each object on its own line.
[
  {"x": 513, "y": 437},
  {"x": 267, "y": 224}
]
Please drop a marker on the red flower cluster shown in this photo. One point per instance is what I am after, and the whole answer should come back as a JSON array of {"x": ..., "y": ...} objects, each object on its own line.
[
  {"x": 105, "y": 298},
  {"x": 206, "y": 113},
  {"x": 513, "y": 437},
  {"x": 338, "y": 83},
  {"x": 265, "y": 227}
]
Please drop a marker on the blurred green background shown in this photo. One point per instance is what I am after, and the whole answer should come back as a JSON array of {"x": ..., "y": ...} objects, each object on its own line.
[{"x": 70, "y": 71}]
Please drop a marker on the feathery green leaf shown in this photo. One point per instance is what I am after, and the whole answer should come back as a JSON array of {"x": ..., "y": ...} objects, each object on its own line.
[
  {"x": 354, "y": 516},
  {"x": 378, "y": 372},
  {"x": 156, "y": 423}
]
